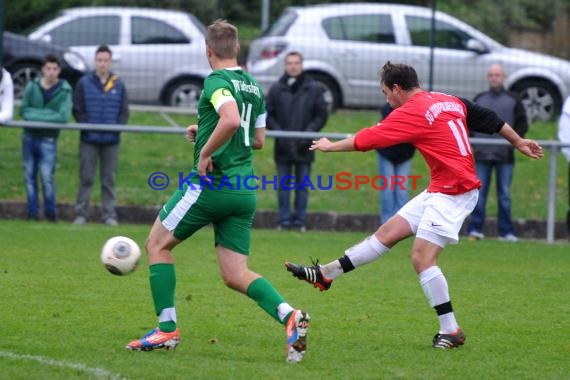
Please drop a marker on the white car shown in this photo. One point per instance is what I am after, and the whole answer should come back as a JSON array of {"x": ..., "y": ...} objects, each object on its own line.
[
  {"x": 344, "y": 46},
  {"x": 160, "y": 54}
]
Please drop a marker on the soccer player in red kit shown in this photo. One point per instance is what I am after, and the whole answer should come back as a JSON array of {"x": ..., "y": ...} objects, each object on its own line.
[{"x": 438, "y": 126}]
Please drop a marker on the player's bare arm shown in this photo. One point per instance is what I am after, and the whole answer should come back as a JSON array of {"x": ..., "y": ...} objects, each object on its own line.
[
  {"x": 527, "y": 147},
  {"x": 259, "y": 138},
  {"x": 227, "y": 125},
  {"x": 325, "y": 145}
]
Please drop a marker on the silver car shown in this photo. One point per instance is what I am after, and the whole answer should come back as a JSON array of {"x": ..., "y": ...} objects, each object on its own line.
[
  {"x": 344, "y": 46},
  {"x": 160, "y": 54}
]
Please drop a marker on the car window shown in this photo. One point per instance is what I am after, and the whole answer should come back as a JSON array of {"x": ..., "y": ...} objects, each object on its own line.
[
  {"x": 198, "y": 24},
  {"x": 446, "y": 35},
  {"x": 282, "y": 25},
  {"x": 150, "y": 31},
  {"x": 365, "y": 28},
  {"x": 88, "y": 31}
]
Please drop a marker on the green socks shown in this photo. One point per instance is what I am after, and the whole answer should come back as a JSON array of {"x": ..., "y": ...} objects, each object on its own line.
[
  {"x": 162, "y": 286},
  {"x": 262, "y": 292}
]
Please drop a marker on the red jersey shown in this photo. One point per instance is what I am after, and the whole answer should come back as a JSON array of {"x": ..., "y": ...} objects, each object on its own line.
[{"x": 436, "y": 124}]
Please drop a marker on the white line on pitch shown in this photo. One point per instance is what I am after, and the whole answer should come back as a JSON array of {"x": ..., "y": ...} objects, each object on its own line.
[{"x": 97, "y": 372}]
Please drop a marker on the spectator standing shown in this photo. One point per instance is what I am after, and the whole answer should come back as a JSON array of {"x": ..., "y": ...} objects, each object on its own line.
[
  {"x": 394, "y": 162},
  {"x": 6, "y": 96},
  {"x": 46, "y": 99},
  {"x": 501, "y": 158},
  {"x": 295, "y": 103},
  {"x": 99, "y": 98},
  {"x": 564, "y": 136}
]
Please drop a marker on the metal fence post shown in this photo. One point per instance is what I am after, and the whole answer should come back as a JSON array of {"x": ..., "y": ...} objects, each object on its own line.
[{"x": 553, "y": 152}]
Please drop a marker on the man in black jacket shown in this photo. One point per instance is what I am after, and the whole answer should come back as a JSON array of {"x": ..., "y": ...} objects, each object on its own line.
[
  {"x": 509, "y": 107},
  {"x": 294, "y": 103}
]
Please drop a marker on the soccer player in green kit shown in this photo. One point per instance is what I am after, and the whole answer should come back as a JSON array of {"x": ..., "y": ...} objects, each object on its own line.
[{"x": 231, "y": 123}]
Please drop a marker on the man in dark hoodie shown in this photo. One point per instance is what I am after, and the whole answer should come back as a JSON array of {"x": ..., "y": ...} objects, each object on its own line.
[
  {"x": 47, "y": 99},
  {"x": 99, "y": 98},
  {"x": 295, "y": 103},
  {"x": 501, "y": 158}
]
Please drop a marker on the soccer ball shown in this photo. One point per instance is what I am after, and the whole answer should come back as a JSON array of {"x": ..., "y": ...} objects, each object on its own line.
[{"x": 120, "y": 255}]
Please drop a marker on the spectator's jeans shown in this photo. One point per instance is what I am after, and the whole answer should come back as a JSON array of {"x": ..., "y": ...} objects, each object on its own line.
[
  {"x": 504, "y": 177},
  {"x": 302, "y": 170},
  {"x": 40, "y": 155},
  {"x": 107, "y": 155},
  {"x": 392, "y": 199}
]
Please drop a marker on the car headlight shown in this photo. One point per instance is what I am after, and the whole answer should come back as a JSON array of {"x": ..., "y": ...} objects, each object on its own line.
[{"x": 75, "y": 61}]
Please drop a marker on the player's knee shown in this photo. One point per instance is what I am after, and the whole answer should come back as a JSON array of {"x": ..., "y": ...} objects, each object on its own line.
[
  {"x": 388, "y": 235},
  {"x": 153, "y": 247},
  {"x": 416, "y": 262},
  {"x": 149, "y": 245},
  {"x": 421, "y": 260},
  {"x": 231, "y": 281}
]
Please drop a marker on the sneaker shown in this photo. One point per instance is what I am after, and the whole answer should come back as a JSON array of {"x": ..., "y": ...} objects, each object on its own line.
[
  {"x": 296, "y": 329},
  {"x": 80, "y": 220},
  {"x": 475, "y": 235},
  {"x": 449, "y": 341},
  {"x": 284, "y": 226},
  {"x": 311, "y": 274},
  {"x": 111, "y": 222},
  {"x": 156, "y": 339},
  {"x": 509, "y": 237},
  {"x": 300, "y": 226}
]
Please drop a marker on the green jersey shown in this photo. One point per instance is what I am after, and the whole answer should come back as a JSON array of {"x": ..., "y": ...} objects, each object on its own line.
[{"x": 232, "y": 162}]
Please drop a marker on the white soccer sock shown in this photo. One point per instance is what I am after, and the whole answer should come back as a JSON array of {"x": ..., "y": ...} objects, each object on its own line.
[
  {"x": 366, "y": 251},
  {"x": 435, "y": 288},
  {"x": 362, "y": 253},
  {"x": 283, "y": 310},
  {"x": 168, "y": 314},
  {"x": 332, "y": 270}
]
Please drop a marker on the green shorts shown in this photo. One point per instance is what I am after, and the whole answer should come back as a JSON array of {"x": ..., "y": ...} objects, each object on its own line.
[{"x": 230, "y": 212}]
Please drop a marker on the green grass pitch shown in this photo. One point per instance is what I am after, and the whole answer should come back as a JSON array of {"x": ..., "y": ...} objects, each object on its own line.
[{"x": 63, "y": 316}]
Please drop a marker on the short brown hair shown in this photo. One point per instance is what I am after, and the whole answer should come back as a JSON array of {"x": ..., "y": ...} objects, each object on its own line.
[
  {"x": 222, "y": 38},
  {"x": 398, "y": 73}
]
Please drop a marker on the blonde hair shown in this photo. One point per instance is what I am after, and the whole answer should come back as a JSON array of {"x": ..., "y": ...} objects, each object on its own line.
[{"x": 222, "y": 38}]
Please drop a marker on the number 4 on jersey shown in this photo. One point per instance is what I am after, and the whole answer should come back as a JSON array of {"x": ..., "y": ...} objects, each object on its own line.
[{"x": 245, "y": 121}]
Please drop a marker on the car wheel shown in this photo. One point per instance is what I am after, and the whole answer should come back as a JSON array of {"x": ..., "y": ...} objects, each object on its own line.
[
  {"x": 22, "y": 74},
  {"x": 184, "y": 93},
  {"x": 332, "y": 92},
  {"x": 540, "y": 98}
]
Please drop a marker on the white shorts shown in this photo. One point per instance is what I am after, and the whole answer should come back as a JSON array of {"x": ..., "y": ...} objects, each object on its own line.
[{"x": 438, "y": 217}]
